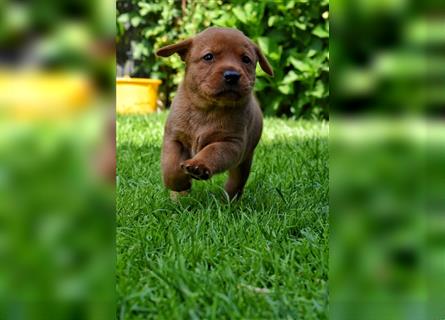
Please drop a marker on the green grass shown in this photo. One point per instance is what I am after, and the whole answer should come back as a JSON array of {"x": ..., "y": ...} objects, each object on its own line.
[{"x": 263, "y": 257}]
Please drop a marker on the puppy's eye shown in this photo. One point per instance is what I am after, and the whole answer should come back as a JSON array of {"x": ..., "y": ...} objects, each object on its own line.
[
  {"x": 208, "y": 57},
  {"x": 246, "y": 59}
]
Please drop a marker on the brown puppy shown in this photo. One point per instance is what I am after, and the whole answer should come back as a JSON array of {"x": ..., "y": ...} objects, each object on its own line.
[{"x": 215, "y": 122}]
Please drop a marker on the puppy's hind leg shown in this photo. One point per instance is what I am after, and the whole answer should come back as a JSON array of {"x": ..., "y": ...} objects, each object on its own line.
[
  {"x": 238, "y": 178},
  {"x": 173, "y": 153}
]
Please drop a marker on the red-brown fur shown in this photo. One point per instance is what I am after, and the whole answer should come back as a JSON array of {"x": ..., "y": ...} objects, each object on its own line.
[{"x": 214, "y": 125}]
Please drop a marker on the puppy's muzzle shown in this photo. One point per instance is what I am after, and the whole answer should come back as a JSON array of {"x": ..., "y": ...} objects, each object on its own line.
[{"x": 231, "y": 77}]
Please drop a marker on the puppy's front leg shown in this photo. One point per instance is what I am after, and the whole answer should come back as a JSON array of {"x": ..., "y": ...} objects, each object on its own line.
[
  {"x": 173, "y": 153},
  {"x": 214, "y": 158},
  {"x": 238, "y": 178}
]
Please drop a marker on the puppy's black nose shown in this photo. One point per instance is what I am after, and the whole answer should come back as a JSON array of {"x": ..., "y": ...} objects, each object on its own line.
[{"x": 231, "y": 77}]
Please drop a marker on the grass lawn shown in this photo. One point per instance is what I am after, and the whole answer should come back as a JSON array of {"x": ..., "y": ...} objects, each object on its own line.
[{"x": 263, "y": 257}]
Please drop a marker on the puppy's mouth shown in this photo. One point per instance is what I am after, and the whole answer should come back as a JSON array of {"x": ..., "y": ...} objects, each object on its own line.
[
  {"x": 228, "y": 94},
  {"x": 225, "y": 92}
]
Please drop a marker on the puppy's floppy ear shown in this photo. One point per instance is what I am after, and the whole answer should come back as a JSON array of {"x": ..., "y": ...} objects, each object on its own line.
[
  {"x": 180, "y": 48},
  {"x": 264, "y": 64}
]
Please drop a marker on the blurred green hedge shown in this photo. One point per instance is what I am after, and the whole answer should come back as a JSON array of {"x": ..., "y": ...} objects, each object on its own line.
[{"x": 293, "y": 34}]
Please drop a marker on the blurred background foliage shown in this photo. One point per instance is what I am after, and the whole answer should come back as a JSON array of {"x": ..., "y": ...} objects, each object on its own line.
[
  {"x": 72, "y": 36},
  {"x": 293, "y": 34},
  {"x": 387, "y": 179},
  {"x": 57, "y": 74}
]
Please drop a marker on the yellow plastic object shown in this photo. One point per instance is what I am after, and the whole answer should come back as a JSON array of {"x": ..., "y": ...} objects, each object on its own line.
[
  {"x": 136, "y": 95},
  {"x": 30, "y": 94}
]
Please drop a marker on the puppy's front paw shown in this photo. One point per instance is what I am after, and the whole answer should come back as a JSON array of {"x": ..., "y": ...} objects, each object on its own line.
[{"x": 196, "y": 170}]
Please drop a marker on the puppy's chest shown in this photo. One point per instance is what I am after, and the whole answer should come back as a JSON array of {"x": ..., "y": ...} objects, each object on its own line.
[{"x": 196, "y": 133}]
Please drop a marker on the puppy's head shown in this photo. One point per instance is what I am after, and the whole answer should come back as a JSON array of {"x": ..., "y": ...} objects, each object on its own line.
[{"x": 220, "y": 64}]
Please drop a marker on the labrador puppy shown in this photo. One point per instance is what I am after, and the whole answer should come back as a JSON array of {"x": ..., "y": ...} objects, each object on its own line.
[{"x": 215, "y": 121}]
